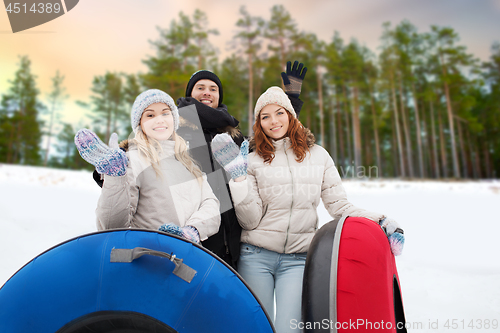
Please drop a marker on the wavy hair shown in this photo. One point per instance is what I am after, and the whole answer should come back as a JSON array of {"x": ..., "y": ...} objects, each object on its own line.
[
  {"x": 296, "y": 132},
  {"x": 151, "y": 150}
]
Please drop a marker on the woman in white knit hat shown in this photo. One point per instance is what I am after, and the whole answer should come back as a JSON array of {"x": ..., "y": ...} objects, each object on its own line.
[
  {"x": 155, "y": 184},
  {"x": 276, "y": 190}
]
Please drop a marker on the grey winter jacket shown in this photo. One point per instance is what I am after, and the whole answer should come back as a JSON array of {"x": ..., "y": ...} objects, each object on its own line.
[
  {"x": 276, "y": 204},
  {"x": 141, "y": 199}
]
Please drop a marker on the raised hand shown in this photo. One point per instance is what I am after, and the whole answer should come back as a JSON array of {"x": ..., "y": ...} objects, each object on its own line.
[
  {"x": 232, "y": 158},
  {"x": 107, "y": 160},
  {"x": 293, "y": 78}
]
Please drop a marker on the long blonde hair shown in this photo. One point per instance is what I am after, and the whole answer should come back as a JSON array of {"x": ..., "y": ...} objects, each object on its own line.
[{"x": 151, "y": 149}]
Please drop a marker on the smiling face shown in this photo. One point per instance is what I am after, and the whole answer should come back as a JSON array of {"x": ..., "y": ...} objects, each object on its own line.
[
  {"x": 206, "y": 92},
  {"x": 274, "y": 121},
  {"x": 157, "y": 121}
]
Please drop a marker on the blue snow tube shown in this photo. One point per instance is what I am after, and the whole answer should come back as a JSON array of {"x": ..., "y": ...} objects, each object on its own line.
[{"x": 129, "y": 281}]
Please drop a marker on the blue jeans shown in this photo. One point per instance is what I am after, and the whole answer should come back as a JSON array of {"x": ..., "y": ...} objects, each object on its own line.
[{"x": 268, "y": 272}]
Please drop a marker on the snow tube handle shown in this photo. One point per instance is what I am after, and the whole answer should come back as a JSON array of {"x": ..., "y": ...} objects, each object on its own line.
[{"x": 128, "y": 255}]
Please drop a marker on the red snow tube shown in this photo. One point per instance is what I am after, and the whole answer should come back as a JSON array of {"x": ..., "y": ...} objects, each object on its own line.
[{"x": 351, "y": 282}]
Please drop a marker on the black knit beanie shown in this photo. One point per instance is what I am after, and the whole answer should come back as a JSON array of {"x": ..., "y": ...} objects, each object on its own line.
[{"x": 201, "y": 75}]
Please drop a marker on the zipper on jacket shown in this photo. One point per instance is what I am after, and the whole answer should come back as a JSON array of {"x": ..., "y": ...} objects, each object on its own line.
[
  {"x": 291, "y": 206},
  {"x": 225, "y": 240}
]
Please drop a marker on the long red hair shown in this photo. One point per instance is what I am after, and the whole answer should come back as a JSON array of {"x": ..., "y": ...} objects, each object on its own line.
[{"x": 296, "y": 132}]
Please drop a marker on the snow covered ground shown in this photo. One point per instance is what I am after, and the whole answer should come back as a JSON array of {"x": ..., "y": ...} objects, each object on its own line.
[{"x": 449, "y": 270}]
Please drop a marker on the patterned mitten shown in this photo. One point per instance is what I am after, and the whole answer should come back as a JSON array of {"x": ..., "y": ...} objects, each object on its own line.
[
  {"x": 293, "y": 78},
  {"x": 188, "y": 232},
  {"x": 232, "y": 158},
  {"x": 395, "y": 235},
  {"x": 112, "y": 162}
]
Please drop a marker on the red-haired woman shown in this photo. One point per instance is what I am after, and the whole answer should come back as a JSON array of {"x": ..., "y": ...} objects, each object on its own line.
[{"x": 276, "y": 192}]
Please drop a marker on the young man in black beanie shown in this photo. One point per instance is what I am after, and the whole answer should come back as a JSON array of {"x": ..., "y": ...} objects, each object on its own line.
[{"x": 204, "y": 91}]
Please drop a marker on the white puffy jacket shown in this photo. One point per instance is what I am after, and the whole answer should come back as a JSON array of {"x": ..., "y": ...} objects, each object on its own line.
[
  {"x": 276, "y": 204},
  {"x": 142, "y": 200}
]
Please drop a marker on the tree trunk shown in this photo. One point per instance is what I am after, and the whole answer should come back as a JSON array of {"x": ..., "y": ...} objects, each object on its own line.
[
  {"x": 426, "y": 148},
  {"x": 477, "y": 158},
  {"x": 11, "y": 144},
  {"x": 348, "y": 128},
  {"x": 49, "y": 135},
  {"x": 250, "y": 94},
  {"x": 368, "y": 156},
  {"x": 282, "y": 54},
  {"x": 394, "y": 146},
  {"x": 434, "y": 142},
  {"x": 356, "y": 128},
  {"x": 333, "y": 131},
  {"x": 398, "y": 132},
  {"x": 406, "y": 129},
  {"x": 375, "y": 129},
  {"x": 468, "y": 153},
  {"x": 320, "y": 102},
  {"x": 456, "y": 171},
  {"x": 462, "y": 149},
  {"x": 487, "y": 163},
  {"x": 444, "y": 162},
  {"x": 475, "y": 171},
  {"x": 340, "y": 129},
  {"x": 419, "y": 133},
  {"x": 19, "y": 149}
]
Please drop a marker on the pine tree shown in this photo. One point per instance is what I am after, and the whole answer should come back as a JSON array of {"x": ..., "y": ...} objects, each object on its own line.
[
  {"x": 249, "y": 38},
  {"x": 180, "y": 50},
  {"x": 353, "y": 63},
  {"x": 311, "y": 51},
  {"x": 388, "y": 62},
  {"x": 409, "y": 45},
  {"x": 371, "y": 72},
  {"x": 233, "y": 75},
  {"x": 20, "y": 129},
  {"x": 490, "y": 106},
  {"x": 107, "y": 105},
  {"x": 281, "y": 29},
  {"x": 56, "y": 97},
  {"x": 333, "y": 77},
  {"x": 69, "y": 158},
  {"x": 204, "y": 50},
  {"x": 449, "y": 59}
]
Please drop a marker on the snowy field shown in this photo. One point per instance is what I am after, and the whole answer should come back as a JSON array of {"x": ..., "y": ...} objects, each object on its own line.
[{"x": 449, "y": 270}]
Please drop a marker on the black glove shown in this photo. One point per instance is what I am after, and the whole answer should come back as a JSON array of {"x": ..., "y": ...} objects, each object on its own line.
[{"x": 293, "y": 78}]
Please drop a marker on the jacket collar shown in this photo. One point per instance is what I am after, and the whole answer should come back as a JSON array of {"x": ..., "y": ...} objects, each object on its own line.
[
  {"x": 168, "y": 146},
  {"x": 285, "y": 142},
  {"x": 310, "y": 140}
]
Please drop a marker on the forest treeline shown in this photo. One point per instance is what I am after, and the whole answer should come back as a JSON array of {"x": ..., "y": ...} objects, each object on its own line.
[{"x": 420, "y": 106}]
